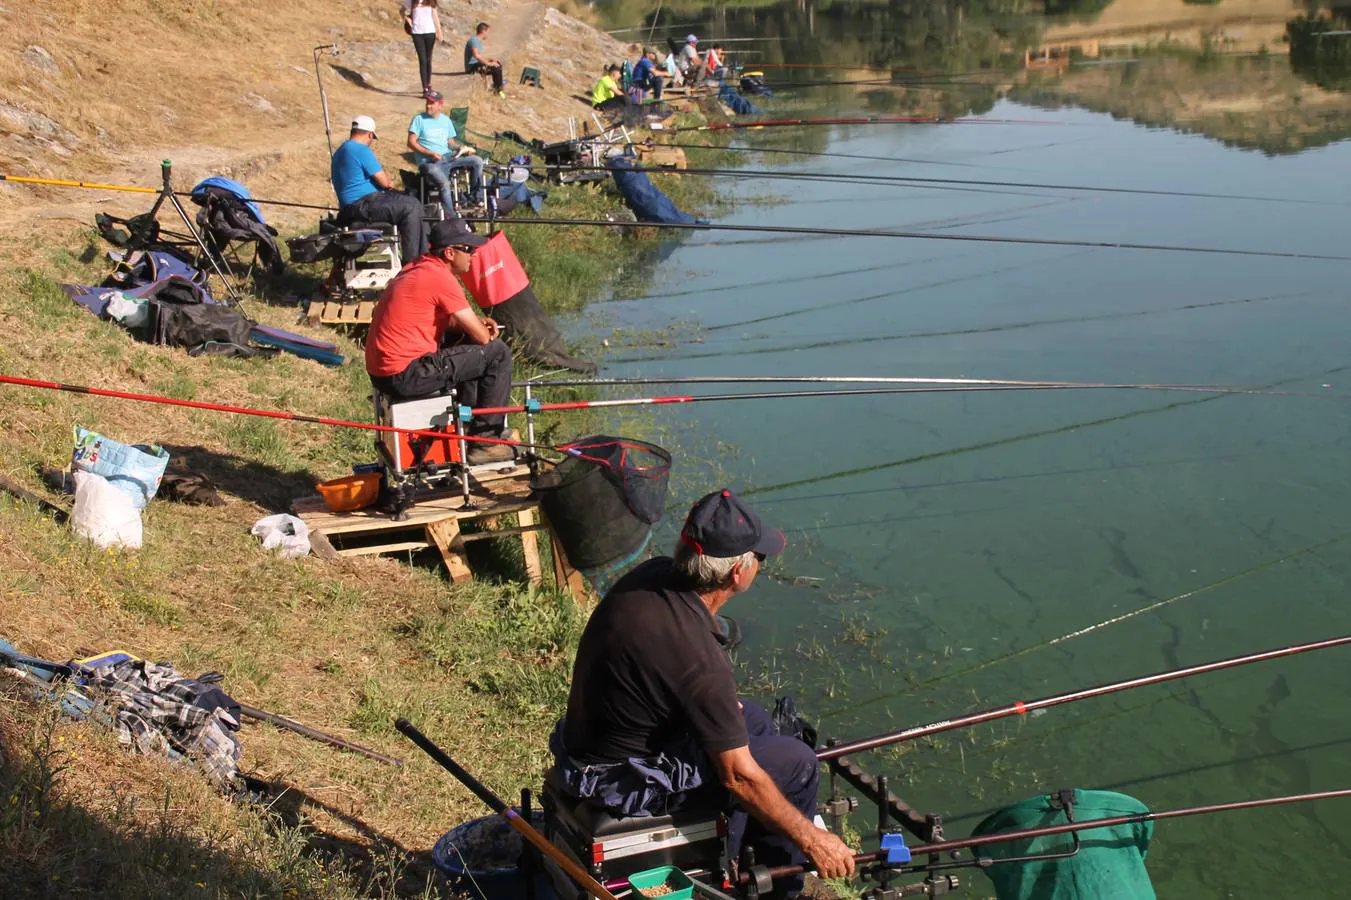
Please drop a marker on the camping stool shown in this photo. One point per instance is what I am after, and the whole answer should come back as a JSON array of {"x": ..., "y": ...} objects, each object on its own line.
[{"x": 531, "y": 75}]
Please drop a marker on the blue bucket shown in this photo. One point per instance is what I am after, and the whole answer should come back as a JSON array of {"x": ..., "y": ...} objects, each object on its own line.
[{"x": 482, "y": 857}]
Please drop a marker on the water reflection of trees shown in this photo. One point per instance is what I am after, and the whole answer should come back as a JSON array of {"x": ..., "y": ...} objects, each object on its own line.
[{"x": 1319, "y": 54}]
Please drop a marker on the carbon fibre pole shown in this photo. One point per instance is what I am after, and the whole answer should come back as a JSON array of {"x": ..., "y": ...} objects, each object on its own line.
[
  {"x": 497, "y": 805},
  {"x": 914, "y": 235},
  {"x": 1022, "y": 708},
  {"x": 1088, "y": 825}
]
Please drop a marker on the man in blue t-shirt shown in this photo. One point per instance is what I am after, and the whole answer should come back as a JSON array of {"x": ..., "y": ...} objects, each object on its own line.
[
  {"x": 365, "y": 193},
  {"x": 645, "y": 73},
  {"x": 476, "y": 58},
  {"x": 432, "y": 137}
]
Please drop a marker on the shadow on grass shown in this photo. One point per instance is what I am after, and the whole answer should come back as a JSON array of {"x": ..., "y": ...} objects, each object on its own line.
[
  {"x": 368, "y": 858},
  {"x": 356, "y": 78},
  {"x": 264, "y": 485}
]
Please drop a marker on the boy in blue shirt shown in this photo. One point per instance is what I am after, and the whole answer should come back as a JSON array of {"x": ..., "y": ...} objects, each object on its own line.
[
  {"x": 431, "y": 135},
  {"x": 365, "y": 193},
  {"x": 645, "y": 74}
]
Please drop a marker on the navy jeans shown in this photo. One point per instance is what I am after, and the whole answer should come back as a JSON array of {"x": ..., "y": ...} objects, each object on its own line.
[{"x": 794, "y": 768}]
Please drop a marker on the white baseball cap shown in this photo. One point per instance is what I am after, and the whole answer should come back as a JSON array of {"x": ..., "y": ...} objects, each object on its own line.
[{"x": 364, "y": 123}]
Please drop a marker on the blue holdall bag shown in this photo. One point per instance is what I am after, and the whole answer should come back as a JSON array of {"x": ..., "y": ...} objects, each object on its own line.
[{"x": 135, "y": 470}]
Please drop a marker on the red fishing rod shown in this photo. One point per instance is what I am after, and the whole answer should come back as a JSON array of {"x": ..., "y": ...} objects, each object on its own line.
[
  {"x": 247, "y": 411},
  {"x": 1023, "y": 708},
  {"x": 1075, "y": 827}
]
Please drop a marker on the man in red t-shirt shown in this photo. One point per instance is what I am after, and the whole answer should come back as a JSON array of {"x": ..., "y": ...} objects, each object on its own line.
[{"x": 425, "y": 337}]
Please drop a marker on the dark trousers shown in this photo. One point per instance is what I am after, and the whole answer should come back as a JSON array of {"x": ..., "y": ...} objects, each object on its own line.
[
  {"x": 480, "y": 373},
  {"x": 423, "y": 44},
  {"x": 614, "y": 104},
  {"x": 396, "y": 208},
  {"x": 654, "y": 85},
  {"x": 794, "y": 768},
  {"x": 494, "y": 71}
]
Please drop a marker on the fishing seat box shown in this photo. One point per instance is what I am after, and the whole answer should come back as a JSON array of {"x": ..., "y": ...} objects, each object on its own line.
[
  {"x": 615, "y": 847},
  {"x": 434, "y": 413}
]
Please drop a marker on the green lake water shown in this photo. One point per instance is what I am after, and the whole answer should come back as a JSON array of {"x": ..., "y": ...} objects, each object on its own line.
[{"x": 941, "y": 544}]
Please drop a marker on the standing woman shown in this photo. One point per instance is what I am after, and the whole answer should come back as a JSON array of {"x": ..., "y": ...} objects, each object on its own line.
[{"x": 420, "y": 19}]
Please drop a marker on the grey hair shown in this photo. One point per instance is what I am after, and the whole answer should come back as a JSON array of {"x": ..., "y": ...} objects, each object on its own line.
[{"x": 707, "y": 573}]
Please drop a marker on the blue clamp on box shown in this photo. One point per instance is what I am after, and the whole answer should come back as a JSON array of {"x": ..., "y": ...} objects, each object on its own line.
[
  {"x": 466, "y": 413},
  {"x": 897, "y": 851},
  {"x": 532, "y": 405}
]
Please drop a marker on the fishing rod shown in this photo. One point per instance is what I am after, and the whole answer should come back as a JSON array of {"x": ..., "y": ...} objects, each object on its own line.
[
  {"x": 497, "y": 805},
  {"x": 863, "y": 120},
  {"x": 920, "y": 181},
  {"x": 265, "y": 413},
  {"x": 916, "y": 386},
  {"x": 1022, "y": 708},
  {"x": 915, "y": 235},
  {"x": 92, "y": 185},
  {"x": 947, "y": 847},
  {"x": 788, "y": 151},
  {"x": 908, "y": 380}
]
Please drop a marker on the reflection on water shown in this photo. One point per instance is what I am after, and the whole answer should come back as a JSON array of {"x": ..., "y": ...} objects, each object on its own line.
[
  {"x": 951, "y": 553},
  {"x": 1263, "y": 74}
]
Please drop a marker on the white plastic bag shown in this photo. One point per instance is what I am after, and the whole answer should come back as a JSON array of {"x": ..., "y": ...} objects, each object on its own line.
[
  {"x": 128, "y": 311},
  {"x": 104, "y": 514},
  {"x": 283, "y": 532}
]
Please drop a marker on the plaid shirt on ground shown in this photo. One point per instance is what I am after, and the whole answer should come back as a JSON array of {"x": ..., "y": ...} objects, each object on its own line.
[{"x": 155, "y": 711}]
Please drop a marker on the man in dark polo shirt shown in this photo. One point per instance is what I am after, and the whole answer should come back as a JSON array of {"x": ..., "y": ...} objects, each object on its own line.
[{"x": 653, "y": 720}]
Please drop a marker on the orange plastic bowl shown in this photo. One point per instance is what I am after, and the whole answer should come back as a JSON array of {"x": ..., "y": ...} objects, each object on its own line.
[{"x": 350, "y": 492}]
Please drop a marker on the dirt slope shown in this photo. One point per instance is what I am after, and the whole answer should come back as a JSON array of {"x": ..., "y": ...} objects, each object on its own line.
[{"x": 102, "y": 90}]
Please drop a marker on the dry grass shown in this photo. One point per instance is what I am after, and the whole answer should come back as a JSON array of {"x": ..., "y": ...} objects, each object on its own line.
[{"x": 343, "y": 646}]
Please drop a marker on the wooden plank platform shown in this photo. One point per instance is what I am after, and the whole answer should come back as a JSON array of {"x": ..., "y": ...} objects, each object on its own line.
[
  {"x": 336, "y": 312},
  {"x": 436, "y": 520}
]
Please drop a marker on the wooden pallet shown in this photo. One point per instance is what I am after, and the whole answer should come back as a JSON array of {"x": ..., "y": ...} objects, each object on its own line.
[
  {"x": 338, "y": 312},
  {"x": 660, "y": 156},
  {"x": 436, "y": 520}
]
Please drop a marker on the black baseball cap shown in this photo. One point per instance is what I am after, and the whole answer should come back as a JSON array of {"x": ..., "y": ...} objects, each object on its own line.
[
  {"x": 454, "y": 233},
  {"x": 721, "y": 525}
]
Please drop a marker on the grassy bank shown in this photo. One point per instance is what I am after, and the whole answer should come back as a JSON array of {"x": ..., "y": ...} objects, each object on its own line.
[{"x": 345, "y": 646}]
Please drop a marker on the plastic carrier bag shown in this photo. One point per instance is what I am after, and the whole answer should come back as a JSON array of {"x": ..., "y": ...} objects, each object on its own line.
[
  {"x": 134, "y": 470},
  {"x": 105, "y": 515}
]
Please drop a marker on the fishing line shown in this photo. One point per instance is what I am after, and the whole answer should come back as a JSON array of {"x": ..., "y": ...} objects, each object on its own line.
[
  {"x": 958, "y": 332},
  {"x": 1014, "y": 439},
  {"x": 942, "y": 183},
  {"x": 889, "y": 295},
  {"x": 791, "y": 279},
  {"x": 865, "y": 232}
]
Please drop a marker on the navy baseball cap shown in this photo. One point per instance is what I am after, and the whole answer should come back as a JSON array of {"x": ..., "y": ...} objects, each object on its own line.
[
  {"x": 454, "y": 233},
  {"x": 721, "y": 525}
]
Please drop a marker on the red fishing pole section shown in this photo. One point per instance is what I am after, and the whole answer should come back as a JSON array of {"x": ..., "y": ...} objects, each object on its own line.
[{"x": 246, "y": 411}]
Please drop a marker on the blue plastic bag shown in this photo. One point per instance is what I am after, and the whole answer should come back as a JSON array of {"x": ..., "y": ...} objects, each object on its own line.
[{"x": 134, "y": 470}]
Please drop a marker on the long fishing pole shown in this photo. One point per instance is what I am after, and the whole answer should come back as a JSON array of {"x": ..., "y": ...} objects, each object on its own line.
[
  {"x": 265, "y": 413},
  {"x": 898, "y": 379},
  {"x": 862, "y": 120},
  {"x": 1022, "y": 708},
  {"x": 496, "y": 804},
  {"x": 914, "y": 181},
  {"x": 914, "y": 235},
  {"x": 939, "y": 386},
  {"x": 943, "y": 847},
  {"x": 97, "y": 186}
]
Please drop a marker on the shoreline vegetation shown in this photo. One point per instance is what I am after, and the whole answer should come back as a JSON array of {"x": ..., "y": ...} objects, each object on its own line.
[{"x": 345, "y": 645}]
